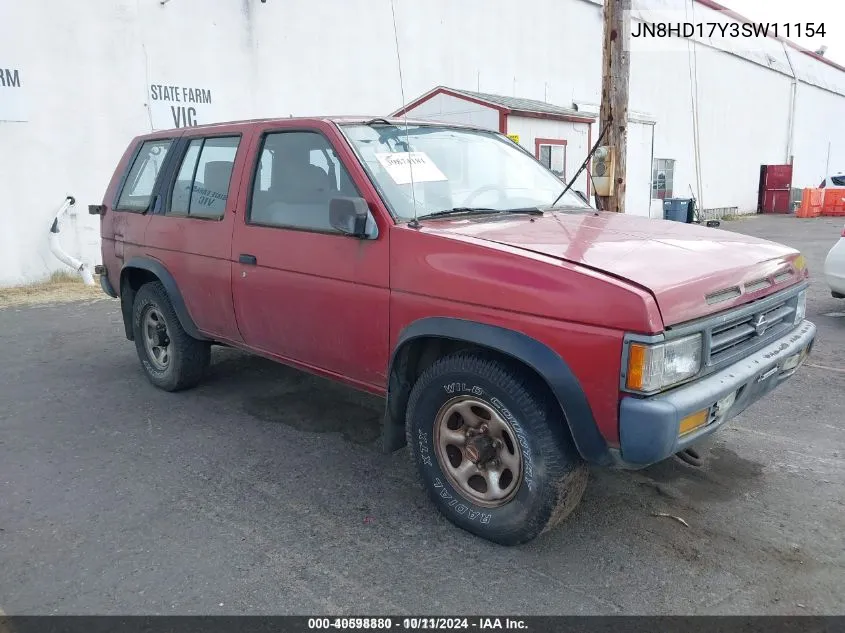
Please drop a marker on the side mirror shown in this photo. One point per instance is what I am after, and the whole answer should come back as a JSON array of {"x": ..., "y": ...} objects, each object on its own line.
[{"x": 349, "y": 216}]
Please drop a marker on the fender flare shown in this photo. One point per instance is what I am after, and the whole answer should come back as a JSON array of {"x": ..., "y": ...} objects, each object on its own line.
[
  {"x": 157, "y": 268},
  {"x": 547, "y": 363}
]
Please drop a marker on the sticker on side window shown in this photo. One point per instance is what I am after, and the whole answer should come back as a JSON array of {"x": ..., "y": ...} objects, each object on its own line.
[{"x": 401, "y": 166}]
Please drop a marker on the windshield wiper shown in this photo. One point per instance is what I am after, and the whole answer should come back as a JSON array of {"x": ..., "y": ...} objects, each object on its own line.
[
  {"x": 583, "y": 165},
  {"x": 480, "y": 210}
]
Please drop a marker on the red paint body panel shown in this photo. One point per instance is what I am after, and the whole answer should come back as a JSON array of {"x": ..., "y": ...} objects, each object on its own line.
[
  {"x": 461, "y": 269},
  {"x": 591, "y": 352},
  {"x": 680, "y": 264}
]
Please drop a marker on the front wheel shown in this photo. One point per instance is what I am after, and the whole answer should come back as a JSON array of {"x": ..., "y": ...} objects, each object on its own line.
[{"x": 492, "y": 448}]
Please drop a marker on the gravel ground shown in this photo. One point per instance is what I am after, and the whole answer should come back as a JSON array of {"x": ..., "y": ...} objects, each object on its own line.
[{"x": 263, "y": 491}]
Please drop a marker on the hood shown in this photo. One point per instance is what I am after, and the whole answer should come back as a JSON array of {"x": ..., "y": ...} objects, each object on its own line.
[{"x": 691, "y": 270}]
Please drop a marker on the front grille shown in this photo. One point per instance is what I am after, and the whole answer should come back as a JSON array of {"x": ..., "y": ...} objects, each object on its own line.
[{"x": 740, "y": 332}]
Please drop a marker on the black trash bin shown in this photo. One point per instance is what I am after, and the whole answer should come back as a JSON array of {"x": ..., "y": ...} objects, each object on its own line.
[{"x": 679, "y": 209}]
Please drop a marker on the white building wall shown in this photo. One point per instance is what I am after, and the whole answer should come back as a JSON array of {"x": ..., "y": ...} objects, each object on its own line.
[
  {"x": 575, "y": 134},
  {"x": 819, "y": 129},
  {"x": 743, "y": 113},
  {"x": 86, "y": 67},
  {"x": 638, "y": 199}
]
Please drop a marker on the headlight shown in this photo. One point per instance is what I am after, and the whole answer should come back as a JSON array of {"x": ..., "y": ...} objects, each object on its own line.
[
  {"x": 801, "y": 307},
  {"x": 652, "y": 367}
]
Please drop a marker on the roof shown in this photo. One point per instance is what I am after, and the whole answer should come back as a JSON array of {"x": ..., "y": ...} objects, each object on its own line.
[
  {"x": 517, "y": 104},
  {"x": 505, "y": 105}
]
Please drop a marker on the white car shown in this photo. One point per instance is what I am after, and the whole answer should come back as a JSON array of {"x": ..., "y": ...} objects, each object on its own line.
[
  {"x": 835, "y": 181},
  {"x": 834, "y": 268}
]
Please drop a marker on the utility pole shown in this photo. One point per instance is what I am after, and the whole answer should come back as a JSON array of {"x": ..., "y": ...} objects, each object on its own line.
[{"x": 614, "y": 96}]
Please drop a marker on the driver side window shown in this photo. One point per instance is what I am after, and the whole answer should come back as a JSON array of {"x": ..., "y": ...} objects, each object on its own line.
[{"x": 295, "y": 180}]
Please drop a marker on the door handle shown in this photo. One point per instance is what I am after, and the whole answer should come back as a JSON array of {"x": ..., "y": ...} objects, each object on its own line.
[{"x": 252, "y": 260}]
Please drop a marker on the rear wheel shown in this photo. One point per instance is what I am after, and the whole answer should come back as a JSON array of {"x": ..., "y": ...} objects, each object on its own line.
[
  {"x": 171, "y": 358},
  {"x": 492, "y": 448}
]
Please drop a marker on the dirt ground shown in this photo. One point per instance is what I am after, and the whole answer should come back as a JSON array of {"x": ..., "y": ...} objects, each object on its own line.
[{"x": 60, "y": 288}]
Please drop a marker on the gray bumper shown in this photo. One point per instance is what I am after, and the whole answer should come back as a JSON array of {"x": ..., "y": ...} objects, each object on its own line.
[{"x": 649, "y": 427}]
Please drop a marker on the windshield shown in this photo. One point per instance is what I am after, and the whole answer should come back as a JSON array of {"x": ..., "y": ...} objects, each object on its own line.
[{"x": 446, "y": 168}]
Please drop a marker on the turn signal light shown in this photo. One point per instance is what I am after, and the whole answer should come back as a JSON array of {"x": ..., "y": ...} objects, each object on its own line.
[
  {"x": 694, "y": 421},
  {"x": 636, "y": 366}
]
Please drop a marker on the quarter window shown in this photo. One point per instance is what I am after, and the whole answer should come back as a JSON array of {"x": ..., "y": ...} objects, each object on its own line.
[
  {"x": 138, "y": 188},
  {"x": 297, "y": 176},
  {"x": 202, "y": 185}
]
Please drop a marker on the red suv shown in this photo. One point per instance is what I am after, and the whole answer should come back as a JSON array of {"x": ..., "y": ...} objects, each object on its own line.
[{"x": 517, "y": 334}]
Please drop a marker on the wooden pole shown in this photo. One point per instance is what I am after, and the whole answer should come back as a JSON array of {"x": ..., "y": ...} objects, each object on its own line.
[{"x": 614, "y": 96}]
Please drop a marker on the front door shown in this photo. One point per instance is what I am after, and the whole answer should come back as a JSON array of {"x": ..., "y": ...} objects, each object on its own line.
[{"x": 303, "y": 291}]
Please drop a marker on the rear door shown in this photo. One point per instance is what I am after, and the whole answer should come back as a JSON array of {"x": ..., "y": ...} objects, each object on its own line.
[
  {"x": 191, "y": 232},
  {"x": 125, "y": 224},
  {"x": 304, "y": 292}
]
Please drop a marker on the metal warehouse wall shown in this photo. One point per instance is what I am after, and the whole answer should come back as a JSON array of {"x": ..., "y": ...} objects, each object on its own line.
[{"x": 90, "y": 75}]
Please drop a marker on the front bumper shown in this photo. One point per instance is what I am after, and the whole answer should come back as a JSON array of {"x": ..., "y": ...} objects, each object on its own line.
[{"x": 649, "y": 427}]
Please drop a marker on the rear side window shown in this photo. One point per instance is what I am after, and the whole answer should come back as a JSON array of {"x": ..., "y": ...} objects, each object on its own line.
[
  {"x": 202, "y": 184},
  {"x": 839, "y": 181},
  {"x": 141, "y": 179}
]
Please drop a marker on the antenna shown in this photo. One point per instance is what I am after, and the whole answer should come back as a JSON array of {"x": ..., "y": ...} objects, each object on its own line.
[{"x": 414, "y": 224}]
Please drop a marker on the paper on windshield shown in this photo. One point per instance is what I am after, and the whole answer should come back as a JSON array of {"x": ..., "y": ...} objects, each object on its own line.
[{"x": 399, "y": 166}]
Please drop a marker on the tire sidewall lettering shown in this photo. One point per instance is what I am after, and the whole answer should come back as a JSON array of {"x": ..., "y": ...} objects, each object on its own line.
[
  {"x": 459, "y": 504},
  {"x": 522, "y": 440},
  {"x": 424, "y": 453},
  {"x": 462, "y": 388},
  {"x": 427, "y": 462}
]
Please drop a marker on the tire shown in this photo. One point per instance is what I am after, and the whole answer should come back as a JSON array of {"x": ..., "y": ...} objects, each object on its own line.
[
  {"x": 187, "y": 358},
  {"x": 553, "y": 475}
]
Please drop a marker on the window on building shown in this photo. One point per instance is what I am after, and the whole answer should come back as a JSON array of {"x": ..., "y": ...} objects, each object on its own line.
[
  {"x": 138, "y": 188},
  {"x": 553, "y": 156},
  {"x": 662, "y": 177},
  {"x": 202, "y": 185},
  {"x": 298, "y": 175}
]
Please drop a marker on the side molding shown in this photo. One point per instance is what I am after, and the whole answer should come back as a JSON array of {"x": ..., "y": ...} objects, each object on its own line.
[
  {"x": 156, "y": 268},
  {"x": 543, "y": 360}
]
